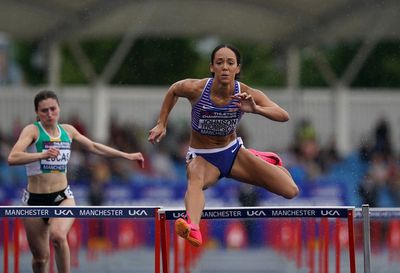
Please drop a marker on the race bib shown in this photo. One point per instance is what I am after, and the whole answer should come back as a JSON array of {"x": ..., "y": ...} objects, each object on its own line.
[
  {"x": 60, "y": 162},
  {"x": 217, "y": 123}
]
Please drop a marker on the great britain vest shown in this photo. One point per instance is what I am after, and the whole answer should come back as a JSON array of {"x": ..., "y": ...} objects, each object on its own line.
[{"x": 212, "y": 120}]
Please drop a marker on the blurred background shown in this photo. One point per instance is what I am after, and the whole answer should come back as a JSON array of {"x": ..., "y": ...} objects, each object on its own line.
[{"x": 334, "y": 65}]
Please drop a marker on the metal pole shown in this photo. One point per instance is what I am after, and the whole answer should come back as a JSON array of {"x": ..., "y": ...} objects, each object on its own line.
[
  {"x": 164, "y": 242},
  {"x": 352, "y": 252},
  {"x": 366, "y": 238}
]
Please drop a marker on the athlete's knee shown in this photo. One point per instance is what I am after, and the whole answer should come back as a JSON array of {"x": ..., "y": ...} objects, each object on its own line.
[
  {"x": 285, "y": 171},
  {"x": 58, "y": 239},
  {"x": 291, "y": 191},
  {"x": 195, "y": 184},
  {"x": 40, "y": 261}
]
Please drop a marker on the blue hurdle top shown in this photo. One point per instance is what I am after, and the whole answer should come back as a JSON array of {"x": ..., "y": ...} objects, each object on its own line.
[
  {"x": 78, "y": 211},
  {"x": 263, "y": 212}
]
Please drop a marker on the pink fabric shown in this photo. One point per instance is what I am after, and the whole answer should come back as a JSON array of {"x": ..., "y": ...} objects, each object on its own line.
[
  {"x": 193, "y": 236},
  {"x": 269, "y": 157}
]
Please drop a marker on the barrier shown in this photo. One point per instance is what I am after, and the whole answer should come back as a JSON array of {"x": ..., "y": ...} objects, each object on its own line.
[
  {"x": 290, "y": 231},
  {"x": 91, "y": 212},
  {"x": 391, "y": 229},
  {"x": 252, "y": 213}
]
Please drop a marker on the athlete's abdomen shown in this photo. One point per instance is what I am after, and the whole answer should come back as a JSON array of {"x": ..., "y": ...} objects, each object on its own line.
[
  {"x": 200, "y": 141},
  {"x": 47, "y": 182}
]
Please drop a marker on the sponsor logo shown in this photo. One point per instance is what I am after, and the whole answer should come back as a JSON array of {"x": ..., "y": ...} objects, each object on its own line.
[
  {"x": 234, "y": 149},
  {"x": 330, "y": 213},
  {"x": 58, "y": 198},
  {"x": 137, "y": 212},
  {"x": 208, "y": 107},
  {"x": 255, "y": 213},
  {"x": 179, "y": 214},
  {"x": 63, "y": 212}
]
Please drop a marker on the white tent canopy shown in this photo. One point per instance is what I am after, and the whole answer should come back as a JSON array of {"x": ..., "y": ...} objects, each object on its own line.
[{"x": 283, "y": 22}]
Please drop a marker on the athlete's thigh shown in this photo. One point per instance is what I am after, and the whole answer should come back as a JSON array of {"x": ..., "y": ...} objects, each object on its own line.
[
  {"x": 201, "y": 171},
  {"x": 62, "y": 225},
  {"x": 37, "y": 234},
  {"x": 249, "y": 169}
]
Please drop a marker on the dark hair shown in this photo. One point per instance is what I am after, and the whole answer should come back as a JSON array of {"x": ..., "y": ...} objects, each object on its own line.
[
  {"x": 43, "y": 95},
  {"x": 235, "y": 50}
]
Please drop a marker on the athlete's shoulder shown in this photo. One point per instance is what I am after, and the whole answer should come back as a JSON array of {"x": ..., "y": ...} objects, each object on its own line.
[
  {"x": 244, "y": 88},
  {"x": 191, "y": 84},
  {"x": 189, "y": 88},
  {"x": 70, "y": 129},
  {"x": 31, "y": 128},
  {"x": 30, "y": 131}
]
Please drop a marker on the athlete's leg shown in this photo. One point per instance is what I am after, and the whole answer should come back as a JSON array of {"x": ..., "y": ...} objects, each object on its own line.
[
  {"x": 250, "y": 169},
  {"x": 59, "y": 228},
  {"x": 201, "y": 174},
  {"x": 37, "y": 233}
]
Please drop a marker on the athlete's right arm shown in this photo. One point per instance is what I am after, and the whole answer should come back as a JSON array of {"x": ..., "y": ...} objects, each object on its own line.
[
  {"x": 18, "y": 154},
  {"x": 183, "y": 88}
]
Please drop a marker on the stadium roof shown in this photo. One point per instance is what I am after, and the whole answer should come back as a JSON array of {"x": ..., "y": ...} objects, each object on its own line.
[{"x": 281, "y": 22}]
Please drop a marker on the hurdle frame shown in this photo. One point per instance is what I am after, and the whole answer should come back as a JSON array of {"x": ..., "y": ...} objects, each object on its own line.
[
  {"x": 367, "y": 213},
  {"x": 126, "y": 212},
  {"x": 167, "y": 214}
]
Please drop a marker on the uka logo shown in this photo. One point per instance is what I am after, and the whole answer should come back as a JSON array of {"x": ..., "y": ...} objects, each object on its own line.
[
  {"x": 255, "y": 213},
  {"x": 179, "y": 215},
  {"x": 330, "y": 213},
  {"x": 137, "y": 212},
  {"x": 63, "y": 212}
]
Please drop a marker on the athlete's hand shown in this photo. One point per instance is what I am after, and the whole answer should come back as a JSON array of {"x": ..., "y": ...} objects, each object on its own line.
[
  {"x": 51, "y": 153},
  {"x": 157, "y": 133},
  {"x": 246, "y": 102},
  {"x": 138, "y": 157}
]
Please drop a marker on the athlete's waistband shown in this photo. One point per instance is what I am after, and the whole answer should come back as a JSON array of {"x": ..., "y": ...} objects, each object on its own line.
[
  {"x": 216, "y": 150},
  {"x": 46, "y": 199}
]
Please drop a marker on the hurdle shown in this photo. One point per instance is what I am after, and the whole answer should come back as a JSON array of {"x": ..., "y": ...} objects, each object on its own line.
[
  {"x": 346, "y": 212},
  {"x": 390, "y": 214},
  {"x": 129, "y": 212}
]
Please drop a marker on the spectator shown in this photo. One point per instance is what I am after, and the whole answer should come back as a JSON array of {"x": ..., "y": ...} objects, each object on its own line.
[
  {"x": 376, "y": 178},
  {"x": 382, "y": 137},
  {"x": 100, "y": 176}
]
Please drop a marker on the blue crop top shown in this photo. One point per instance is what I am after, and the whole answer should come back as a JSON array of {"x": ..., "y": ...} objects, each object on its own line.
[{"x": 209, "y": 119}]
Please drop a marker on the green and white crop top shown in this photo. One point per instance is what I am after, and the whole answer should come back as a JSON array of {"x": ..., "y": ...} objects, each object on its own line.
[{"x": 43, "y": 143}]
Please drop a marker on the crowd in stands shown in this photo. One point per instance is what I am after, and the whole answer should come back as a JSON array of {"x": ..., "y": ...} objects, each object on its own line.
[
  {"x": 371, "y": 174},
  {"x": 381, "y": 181}
]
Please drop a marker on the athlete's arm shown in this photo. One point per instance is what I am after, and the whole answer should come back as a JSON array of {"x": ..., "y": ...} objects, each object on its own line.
[
  {"x": 184, "y": 88},
  {"x": 255, "y": 101},
  {"x": 18, "y": 154},
  {"x": 101, "y": 149}
]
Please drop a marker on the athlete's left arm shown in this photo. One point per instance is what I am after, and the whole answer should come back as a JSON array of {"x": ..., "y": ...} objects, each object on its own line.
[
  {"x": 101, "y": 149},
  {"x": 255, "y": 101}
]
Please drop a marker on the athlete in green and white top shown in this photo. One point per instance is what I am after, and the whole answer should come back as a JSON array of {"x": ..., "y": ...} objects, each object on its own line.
[
  {"x": 44, "y": 142},
  {"x": 45, "y": 147}
]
